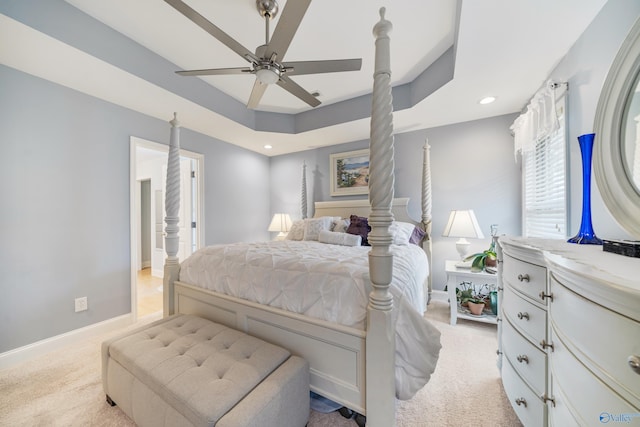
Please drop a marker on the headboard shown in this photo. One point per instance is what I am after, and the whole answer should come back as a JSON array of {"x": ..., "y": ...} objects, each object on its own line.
[{"x": 361, "y": 207}]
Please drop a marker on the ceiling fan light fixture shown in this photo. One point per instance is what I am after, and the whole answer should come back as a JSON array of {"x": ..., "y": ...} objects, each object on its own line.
[{"x": 267, "y": 76}]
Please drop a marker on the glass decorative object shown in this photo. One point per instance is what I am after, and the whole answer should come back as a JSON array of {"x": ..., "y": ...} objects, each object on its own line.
[{"x": 586, "y": 235}]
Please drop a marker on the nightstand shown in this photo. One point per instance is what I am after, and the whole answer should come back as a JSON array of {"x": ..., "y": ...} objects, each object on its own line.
[{"x": 455, "y": 276}]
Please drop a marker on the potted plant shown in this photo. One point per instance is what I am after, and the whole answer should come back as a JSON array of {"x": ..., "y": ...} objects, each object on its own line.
[
  {"x": 472, "y": 297},
  {"x": 475, "y": 305},
  {"x": 484, "y": 259}
]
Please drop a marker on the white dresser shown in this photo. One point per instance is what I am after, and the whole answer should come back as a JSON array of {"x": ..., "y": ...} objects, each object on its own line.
[{"x": 570, "y": 333}]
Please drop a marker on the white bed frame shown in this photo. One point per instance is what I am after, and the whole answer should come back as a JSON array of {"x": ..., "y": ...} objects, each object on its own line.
[{"x": 350, "y": 366}]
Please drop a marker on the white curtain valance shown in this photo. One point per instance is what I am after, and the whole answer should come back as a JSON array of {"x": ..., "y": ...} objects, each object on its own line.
[{"x": 540, "y": 119}]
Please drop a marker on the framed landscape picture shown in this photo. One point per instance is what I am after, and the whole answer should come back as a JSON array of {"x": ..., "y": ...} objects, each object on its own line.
[{"x": 350, "y": 173}]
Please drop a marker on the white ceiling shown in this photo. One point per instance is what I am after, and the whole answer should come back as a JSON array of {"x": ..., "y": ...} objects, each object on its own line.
[
  {"x": 331, "y": 29},
  {"x": 504, "y": 48}
]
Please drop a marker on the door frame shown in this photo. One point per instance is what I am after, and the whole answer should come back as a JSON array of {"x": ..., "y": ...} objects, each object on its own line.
[{"x": 134, "y": 205}]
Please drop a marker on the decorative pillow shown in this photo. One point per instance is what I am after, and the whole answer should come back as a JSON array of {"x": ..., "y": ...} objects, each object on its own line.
[
  {"x": 360, "y": 226},
  {"x": 336, "y": 238},
  {"x": 417, "y": 236},
  {"x": 297, "y": 230},
  {"x": 401, "y": 232},
  {"x": 313, "y": 227},
  {"x": 340, "y": 226}
]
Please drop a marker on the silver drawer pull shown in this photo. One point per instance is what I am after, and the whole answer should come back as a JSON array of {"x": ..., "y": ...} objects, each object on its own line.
[
  {"x": 546, "y": 399},
  {"x": 524, "y": 315},
  {"x": 634, "y": 364},
  {"x": 544, "y": 344},
  {"x": 521, "y": 401},
  {"x": 522, "y": 358},
  {"x": 543, "y": 296},
  {"x": 523, "y": 277}
]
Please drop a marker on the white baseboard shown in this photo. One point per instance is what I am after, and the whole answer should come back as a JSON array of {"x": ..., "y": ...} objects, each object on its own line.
[
  {"x": 22, "y": 354},
  {"x": 438, "y": 295}
]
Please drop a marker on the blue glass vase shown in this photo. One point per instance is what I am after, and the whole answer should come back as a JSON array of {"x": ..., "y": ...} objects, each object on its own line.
[{"x": 586, "y": 235}]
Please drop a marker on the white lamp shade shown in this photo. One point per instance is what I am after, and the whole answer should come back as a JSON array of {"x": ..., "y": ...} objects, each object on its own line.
[
  {"x": 281, "y": 222},
  {"x": 463, "y": 224}
]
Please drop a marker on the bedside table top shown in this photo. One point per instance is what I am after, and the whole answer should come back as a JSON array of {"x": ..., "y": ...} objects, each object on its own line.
[{"x": 450, "y": 267}]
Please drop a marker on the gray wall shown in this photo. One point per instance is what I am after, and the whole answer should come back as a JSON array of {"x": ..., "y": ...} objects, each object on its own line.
[
  {"x": 472, "y": 167},
  {"x": 64, "y": 186}
]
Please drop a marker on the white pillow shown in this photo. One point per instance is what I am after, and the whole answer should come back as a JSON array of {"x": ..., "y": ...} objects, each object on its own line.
[
  {"x": 337, "y": 238},
  {"x": 313, "y": 227},
  {"x": 401, "y": 232},
  {"x": 340, "y": 225},
  {"x": 297, "y": 230}
]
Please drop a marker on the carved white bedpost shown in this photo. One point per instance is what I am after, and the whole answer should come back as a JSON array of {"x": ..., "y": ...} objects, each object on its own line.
[
  {"x": 426, "y": 211},
  {"x": 303, "y": 202},
  {"x": 380, "y": 334},
  {"x": 172, "y": 207}
]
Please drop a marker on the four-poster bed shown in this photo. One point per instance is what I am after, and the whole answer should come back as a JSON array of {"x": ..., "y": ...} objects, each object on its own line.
[{"x": 355, "y": 366}]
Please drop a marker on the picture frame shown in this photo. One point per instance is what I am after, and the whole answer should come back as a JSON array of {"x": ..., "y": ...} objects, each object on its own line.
[{"x": 349, "y": 173}]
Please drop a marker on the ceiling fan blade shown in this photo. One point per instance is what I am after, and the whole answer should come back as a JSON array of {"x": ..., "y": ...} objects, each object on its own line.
[
  {"x": 288, "y": 24},
  {"x": 317, "y": 67},
  {"x": 215, "y": 71},
  {"x": 297, "y": 90},
  {"x": 256, "y": 94},
  {"x": 210, "y": 28}
]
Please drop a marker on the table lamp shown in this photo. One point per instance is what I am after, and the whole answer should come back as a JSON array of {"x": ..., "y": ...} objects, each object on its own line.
[
  {"x": 281, "y": 223},
  {"x": 463, "y": 224}
]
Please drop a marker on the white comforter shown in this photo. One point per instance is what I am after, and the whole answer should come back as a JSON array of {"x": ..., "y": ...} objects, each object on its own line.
[{"x": 328, "y": 282}]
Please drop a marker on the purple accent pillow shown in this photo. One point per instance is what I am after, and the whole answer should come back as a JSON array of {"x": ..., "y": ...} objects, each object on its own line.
[
  {"x": 359, "y": 226},
  {"x": 417, "y": 236}
]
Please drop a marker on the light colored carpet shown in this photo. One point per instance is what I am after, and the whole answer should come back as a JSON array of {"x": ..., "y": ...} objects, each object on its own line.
[{"x": 64, "y": 388}]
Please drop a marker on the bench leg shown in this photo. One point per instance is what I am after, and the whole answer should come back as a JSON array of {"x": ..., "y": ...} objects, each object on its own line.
[{"x": 110, "y": 402}]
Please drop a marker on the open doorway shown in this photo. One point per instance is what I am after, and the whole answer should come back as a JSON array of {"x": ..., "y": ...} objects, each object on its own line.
[
  {"x": 148, "y": 177},
  {"x": 148, "y": 286}
]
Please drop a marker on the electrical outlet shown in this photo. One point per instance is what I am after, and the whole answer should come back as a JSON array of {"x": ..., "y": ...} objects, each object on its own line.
[{"x": 81, "y": 304}]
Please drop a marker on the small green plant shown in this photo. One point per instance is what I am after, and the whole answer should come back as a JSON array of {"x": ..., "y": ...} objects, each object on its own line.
[
  {"x": 481, "y": 260},
  {"x": 467, "y": 292}
]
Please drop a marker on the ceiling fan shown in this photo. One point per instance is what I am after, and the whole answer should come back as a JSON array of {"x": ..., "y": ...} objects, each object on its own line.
[{"x": 267, "y": 61}]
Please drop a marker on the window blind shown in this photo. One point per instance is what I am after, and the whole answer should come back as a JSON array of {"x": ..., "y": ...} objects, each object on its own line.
[{"x": 544, "y": 174}]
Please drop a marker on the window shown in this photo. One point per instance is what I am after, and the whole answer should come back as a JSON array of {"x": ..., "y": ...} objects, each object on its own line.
[{"x": 544, "y": 194}]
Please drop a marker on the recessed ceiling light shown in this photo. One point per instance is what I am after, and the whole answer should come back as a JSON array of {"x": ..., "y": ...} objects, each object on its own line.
[
  {"x": 268, "y": 147},
  {"x": 487, "y": 100}
]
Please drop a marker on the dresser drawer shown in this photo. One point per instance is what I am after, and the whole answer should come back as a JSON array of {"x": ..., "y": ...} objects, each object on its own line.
[
  {"x": 591, "y": 399},
  {"x": 530, "y": 279},
  {"x": 528, "y": 407},
  {"x": 528, "y": 361},
  {"x": 596, "y": 332},
  {"x": 527, "y": 318}
]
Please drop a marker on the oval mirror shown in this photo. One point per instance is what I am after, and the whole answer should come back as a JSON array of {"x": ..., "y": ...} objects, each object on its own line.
[
  {"x": 616, "y": 160},
  {"x": 631, "y": 136}
]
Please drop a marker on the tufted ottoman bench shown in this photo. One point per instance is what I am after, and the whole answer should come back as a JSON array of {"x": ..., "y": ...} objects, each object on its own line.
[{"x": 187, "y": 371}]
